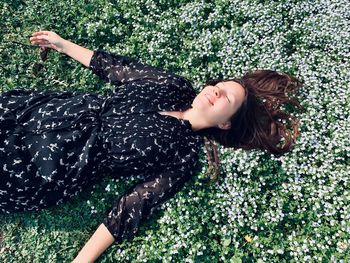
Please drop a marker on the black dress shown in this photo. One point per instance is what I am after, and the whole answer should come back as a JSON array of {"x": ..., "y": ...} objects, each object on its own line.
[{"x": 53, "y": 144}]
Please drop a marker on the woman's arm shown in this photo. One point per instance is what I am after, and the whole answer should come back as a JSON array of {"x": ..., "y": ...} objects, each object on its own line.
[
  {"x": 96, "y": 245},
  {"x": 49, "y": 39},
  {"x": 138, "y": 203},
  {"x": 79, "y": 53},
  {"x": 113, "y": 68}
]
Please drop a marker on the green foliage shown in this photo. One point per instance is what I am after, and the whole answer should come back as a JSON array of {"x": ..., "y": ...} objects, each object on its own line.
[{"x": 264, "y": 209}]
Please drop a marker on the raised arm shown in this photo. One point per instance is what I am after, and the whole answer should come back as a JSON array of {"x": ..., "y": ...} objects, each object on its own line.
[
  {"x": 81, "y": 54},
  {"x": 113, "y": 68},
  {"x": 49, "y": 39}
]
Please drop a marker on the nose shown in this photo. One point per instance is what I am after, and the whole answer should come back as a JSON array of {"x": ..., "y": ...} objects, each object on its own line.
[{"x": 216, "y": 91}]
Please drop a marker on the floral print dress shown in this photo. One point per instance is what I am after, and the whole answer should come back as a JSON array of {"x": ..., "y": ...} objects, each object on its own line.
[{"x": 53, "y": 144}]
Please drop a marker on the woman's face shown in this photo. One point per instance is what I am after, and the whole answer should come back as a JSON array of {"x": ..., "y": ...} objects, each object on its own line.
[{"x": 216, "y": 104}]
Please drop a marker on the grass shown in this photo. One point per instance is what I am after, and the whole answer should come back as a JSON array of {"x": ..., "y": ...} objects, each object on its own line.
[{"x": 290, "y": 209}]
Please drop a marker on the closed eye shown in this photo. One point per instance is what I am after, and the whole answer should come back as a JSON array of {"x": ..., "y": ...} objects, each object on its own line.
[{"x": 226, "y": 95}]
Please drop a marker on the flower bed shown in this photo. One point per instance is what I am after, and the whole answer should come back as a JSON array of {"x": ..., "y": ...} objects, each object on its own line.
[{"x": 293, "y": 208}]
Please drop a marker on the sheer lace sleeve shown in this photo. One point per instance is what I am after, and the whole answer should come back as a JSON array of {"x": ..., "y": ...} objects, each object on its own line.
[
  {"x": 139, "y": 202},
  {"x": 118, "y": 69}
]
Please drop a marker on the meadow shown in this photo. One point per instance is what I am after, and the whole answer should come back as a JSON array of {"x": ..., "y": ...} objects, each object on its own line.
[{"x": 293, "y": 208}]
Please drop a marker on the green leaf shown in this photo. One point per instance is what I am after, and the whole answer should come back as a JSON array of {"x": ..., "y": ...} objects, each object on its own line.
[
  {"x": 226, "y": 242},
  {"x": 235, "y": 259}
]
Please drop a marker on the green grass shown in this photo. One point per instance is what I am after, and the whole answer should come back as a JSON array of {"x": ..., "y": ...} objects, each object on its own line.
[{"x": 290, "y": 209}]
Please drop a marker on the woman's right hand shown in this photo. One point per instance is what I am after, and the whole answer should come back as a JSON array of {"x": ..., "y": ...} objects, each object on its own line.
[{"x": 48, "y": 39}]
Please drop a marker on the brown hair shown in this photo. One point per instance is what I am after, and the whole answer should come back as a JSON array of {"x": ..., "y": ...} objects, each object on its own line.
[{"x": 263, "y": 121}]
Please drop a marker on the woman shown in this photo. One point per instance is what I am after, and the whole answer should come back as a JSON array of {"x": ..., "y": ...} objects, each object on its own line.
[{"x": 54, "y": 144}]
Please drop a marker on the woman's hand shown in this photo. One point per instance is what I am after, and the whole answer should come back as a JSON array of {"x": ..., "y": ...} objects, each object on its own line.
[{"x": 48, "y": 39}]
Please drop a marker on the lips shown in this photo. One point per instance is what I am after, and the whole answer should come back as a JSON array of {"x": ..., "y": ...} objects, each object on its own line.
[{"x": 209, "y": 99}]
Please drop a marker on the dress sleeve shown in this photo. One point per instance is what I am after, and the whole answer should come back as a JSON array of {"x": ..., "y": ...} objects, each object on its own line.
[
  {"x": 139, "y": 202},
  {"x": 118, "y": 69}
]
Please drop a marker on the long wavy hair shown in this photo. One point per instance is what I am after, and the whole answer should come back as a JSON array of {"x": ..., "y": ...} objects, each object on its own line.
[{"x": 263, "y": 121}]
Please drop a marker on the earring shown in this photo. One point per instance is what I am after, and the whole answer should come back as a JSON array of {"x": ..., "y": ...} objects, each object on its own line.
[{"x": 225, "y": 126}]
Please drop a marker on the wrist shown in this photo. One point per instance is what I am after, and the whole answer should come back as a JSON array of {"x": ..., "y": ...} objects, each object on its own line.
[{"x": 65, "y": 45}]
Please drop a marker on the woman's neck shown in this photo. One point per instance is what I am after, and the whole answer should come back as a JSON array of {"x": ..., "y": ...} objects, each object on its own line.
[
  {"x": 189, "y": 115},
  {"x": 194, "y": 119}
]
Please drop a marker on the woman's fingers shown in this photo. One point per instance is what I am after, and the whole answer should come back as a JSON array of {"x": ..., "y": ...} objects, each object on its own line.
[
  {"x": 38, "y": 41},
  {"x": 41, "y": 43},
  {"x": 40, "y": 33},
  {"x": 46, "y": 45},
  {"x": 43, "y": 37},
  {"x": 36, "y": 38},
  {"x": 46, "y": 39}
]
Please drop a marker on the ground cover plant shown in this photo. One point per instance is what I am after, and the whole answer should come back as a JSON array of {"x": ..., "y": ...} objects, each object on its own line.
[{"x": 293, "y": 208}]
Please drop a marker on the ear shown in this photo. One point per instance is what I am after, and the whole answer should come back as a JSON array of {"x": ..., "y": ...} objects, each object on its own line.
[{"x": 225, "y": 125}]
